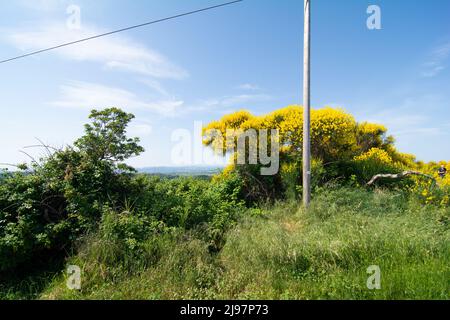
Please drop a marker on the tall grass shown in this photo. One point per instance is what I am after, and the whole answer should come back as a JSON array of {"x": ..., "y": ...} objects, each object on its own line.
[
  {"x": 325, "y": 253},
  {"x": 284, "y": 253}
]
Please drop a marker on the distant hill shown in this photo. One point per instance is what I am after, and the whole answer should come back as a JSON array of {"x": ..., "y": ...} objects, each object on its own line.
[
  {"x": 182, "y": 171},
  {"x": 168, "y": 171}
]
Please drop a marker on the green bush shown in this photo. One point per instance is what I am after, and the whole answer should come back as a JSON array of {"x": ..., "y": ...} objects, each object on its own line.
[
  {"x": 282, "y": 252},
  {"x": 33, "y": 219},
  {"x": 190, "y": 204},
  {"x": 48, "y": 205}
]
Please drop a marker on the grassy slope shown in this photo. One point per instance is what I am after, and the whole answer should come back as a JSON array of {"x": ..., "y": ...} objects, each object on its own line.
[{"x": 286, "y": 254}]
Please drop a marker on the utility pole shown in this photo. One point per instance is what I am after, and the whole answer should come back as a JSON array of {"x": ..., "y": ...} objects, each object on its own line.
[{"x": 307, "y": 107}]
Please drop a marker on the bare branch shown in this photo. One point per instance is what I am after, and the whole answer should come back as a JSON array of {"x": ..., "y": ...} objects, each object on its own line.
[
  {"x": 46, "y": 145},
  {"x": 400, "y": 176},
  {"x": 10, "y": 165},
  {"x": 31, "y": 157},
  {"x": 43, "y": 145}
]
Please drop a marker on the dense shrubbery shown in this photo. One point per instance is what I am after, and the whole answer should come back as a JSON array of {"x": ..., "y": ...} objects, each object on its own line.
[
  {"x": 344, "y": 151},
  {"x": 47, "y": 207},
  {"x": 189, "y": 204},
  {"x": 193, "y": 236},
  {"x": 282, "y": 253}
]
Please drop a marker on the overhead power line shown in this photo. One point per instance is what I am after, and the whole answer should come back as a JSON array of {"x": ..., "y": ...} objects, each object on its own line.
[{"x": 120, "y": 30}]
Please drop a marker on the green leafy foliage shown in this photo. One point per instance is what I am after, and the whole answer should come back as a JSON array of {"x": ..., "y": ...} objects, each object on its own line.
[
  {"x": 47, "y": 207},
  {"x": 138, "y": 236},
  {"x": 105, "y": 138},
  {"x": 282, "y": 252},
  {"x": 79, "y": 189},
  {"x": 190, "y": 204}
]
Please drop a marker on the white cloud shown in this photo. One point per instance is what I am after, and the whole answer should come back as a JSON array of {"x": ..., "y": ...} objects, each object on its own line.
[
  {"x": 227, "y": 104},
  {"x": 400, "y": 122},
  {"x": 233, "y": 101},
  {"x": 249, "y": 87},
  {"x": 419, "y": 131},
  {"x": 90, "y": 95},
  {"x": 391, "y": 119},
  {"x": 114, "y": 52},
  {"x": 156, "y": 86},
  {"x": 437, "y": 61},
  {"x": 243, "y": 98}
]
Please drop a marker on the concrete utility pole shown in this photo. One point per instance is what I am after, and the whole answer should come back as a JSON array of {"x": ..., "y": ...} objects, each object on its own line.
[{"x": 307, "y": 108}]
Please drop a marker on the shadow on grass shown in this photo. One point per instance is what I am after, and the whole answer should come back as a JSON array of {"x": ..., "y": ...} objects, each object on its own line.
[{"x": 29, "y": 280}]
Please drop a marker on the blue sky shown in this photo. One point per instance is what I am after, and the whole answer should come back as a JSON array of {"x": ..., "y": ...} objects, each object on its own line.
[{"x": 197, "y": 68}]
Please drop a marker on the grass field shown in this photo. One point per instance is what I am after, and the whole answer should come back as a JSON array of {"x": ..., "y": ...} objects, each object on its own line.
[{"x": 279, "y": 252}]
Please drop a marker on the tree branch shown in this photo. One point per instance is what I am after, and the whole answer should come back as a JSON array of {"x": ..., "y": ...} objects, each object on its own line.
[{"x": 400, "y": 176}]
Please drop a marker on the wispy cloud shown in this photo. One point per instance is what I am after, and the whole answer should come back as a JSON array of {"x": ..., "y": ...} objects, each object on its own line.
[
  {"x": 249, "y": 87},
  {"x": 115, "y": 52},
  {"x": 91, "y": 95},
  {"x": 414, "y": 117},
  {"x": 437, "y": 62},
  {"x": 156, "y": 86},
  {"x": 398, "y": 122},
  {"x": 432, "y": 131},
  {"x": 227, "y": 103},
  {"x": 242, "y": 99}
]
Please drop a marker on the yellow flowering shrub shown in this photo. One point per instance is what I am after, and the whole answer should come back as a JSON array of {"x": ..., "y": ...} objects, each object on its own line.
[
  {"x": 372, "y": 129},
  {"x": 370, "y": 135},
  {"x": 432, "y": 192},
  {"x": 332, "y": 134},
  {"x": 211, "y": 132},
  {"x": 346, "y": 150},
  {"x": 375, "y": 155},
  {"x": 373, "y": 162},
  {"x": 335, "y": 134},
  {"x": 426, "y": 191}
]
